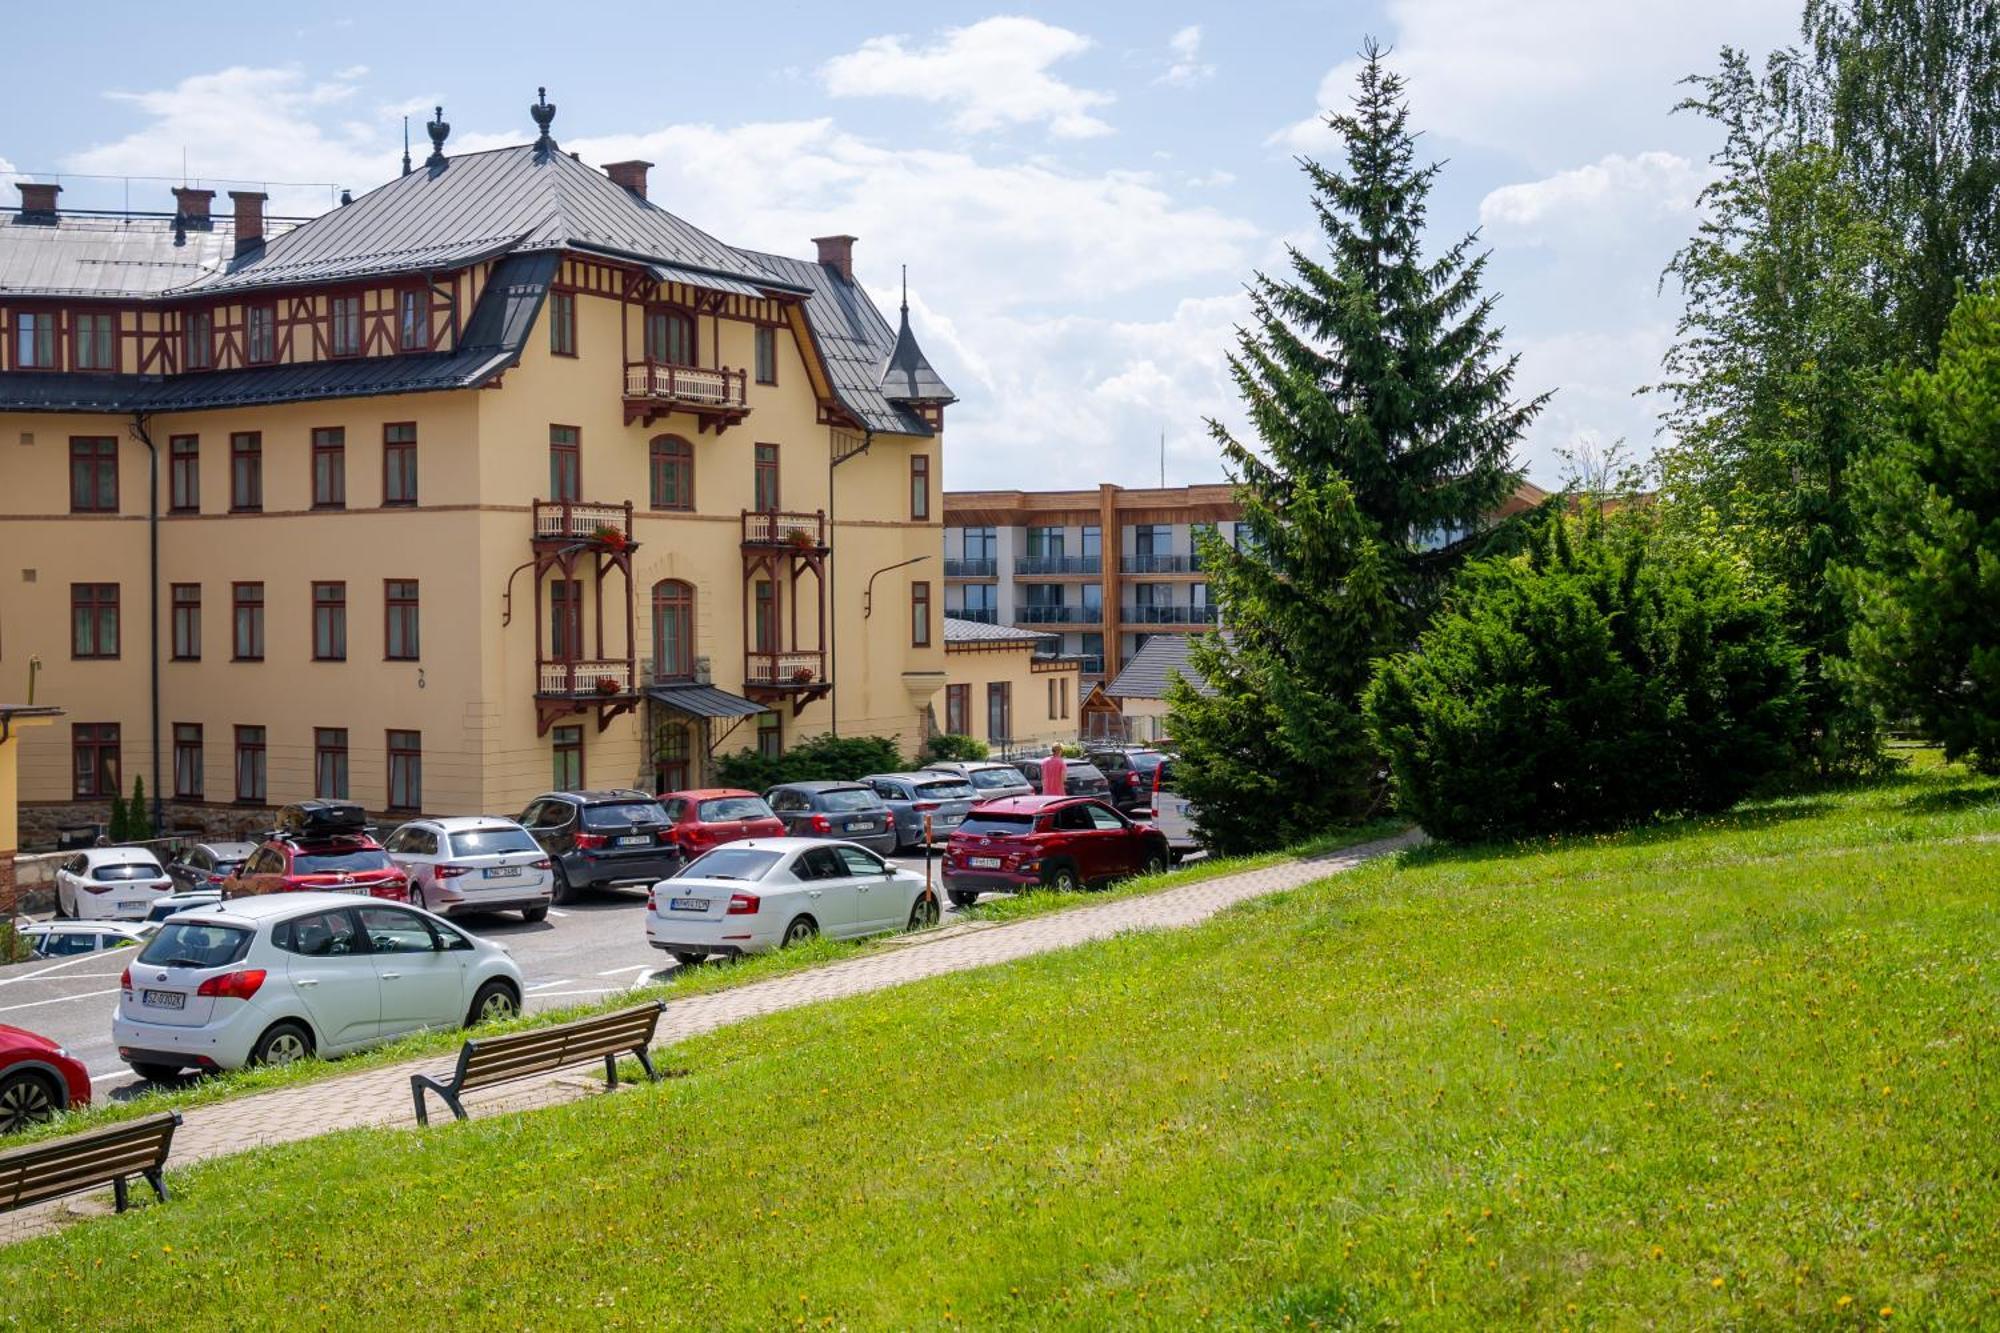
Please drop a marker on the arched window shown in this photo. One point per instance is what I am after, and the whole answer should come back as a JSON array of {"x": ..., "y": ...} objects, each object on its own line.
[
  {"x": 673, "y": 630},
  {"x": 673, "y": 473},
  {"x": 669, "y": 336}
]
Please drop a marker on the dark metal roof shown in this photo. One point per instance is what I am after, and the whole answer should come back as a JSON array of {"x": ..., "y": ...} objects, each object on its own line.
[
  {"x": 493, "y": 339},
  {"x": 480, "y": 204},
  {"x": 1161, "y": 657},
  {"x": 702, "y": 701},
  {"x": 854, "y": 339},
  {"x": 675, "y": 273},
  {"x": 908, "y": 377},
  {"x": 106, "y": 256},
  {"x": 958, "y": 630}
]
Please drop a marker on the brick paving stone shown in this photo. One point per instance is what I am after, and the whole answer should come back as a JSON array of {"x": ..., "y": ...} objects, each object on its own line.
[{"x": 381, "y": 1097}]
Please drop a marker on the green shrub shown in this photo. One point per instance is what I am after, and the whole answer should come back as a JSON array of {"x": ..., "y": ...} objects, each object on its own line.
[
  {"x": 138, "y": 819},
  {"x": 1591, "y": 683},
  {"x": 838, "y": 758},
  {"x": 950, "y": 746}
]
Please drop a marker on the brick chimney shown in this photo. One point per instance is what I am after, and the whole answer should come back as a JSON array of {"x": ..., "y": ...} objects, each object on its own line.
[
  {"x": 191, "y": 207},
  {"x": 249, "y": 219},
  {"x": 837, "y": 253},
  {"x": 38, "y": 202},
  {"x": 631, "y": 175}
]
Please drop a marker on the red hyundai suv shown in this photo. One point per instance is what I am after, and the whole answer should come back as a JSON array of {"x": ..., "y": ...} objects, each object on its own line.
[
  {"x": 321, "y": 846},
  {"x": 699, "y": 820},
  {"x": 1062, "y": 842}
]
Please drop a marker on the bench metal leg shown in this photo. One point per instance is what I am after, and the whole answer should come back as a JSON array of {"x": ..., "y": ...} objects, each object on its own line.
[
  {"x": 417, "y": 1085},
  {"x": 610, "y": 1071},
  {"x": 158, "y": 1180},
  {"x": 646, "y": 1063},
  {"x": 121, "y": 1194}
]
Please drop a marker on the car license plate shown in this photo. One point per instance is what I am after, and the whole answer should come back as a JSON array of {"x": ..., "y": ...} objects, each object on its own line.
[
  {"x": 983, "y": 862},
  {"x": 861, "y": 826},
  {"x": 503, "y": 872},
  {"x": 638, "y": 841},
  {"x": 164, "y": 999},
  {"x": 687, "y": 904}
]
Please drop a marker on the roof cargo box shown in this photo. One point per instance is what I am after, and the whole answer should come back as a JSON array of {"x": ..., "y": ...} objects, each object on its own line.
[{"x": 321, "y": 819}]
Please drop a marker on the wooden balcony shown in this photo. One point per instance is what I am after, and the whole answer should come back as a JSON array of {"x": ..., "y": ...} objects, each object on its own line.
[
  {"x": 799, "y": 677},
  {"x": 717, "y": 397},
  {"x": 606, "y": 527},
  {"x": 773, "y": 528}
]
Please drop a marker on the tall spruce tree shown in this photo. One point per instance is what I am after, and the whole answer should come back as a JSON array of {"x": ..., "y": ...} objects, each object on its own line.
[{"x": 1384, "y": 435}]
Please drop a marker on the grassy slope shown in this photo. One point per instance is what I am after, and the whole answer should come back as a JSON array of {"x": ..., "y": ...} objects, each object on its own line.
[{"x": 1741, "y": 1071}]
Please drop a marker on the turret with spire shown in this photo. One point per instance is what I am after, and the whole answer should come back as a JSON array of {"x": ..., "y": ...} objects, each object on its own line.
[{"x": 907, "y": 377}]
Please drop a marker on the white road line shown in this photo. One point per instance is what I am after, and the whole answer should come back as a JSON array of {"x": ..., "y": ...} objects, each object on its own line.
[
  {"x": 621, "y": 971},
  {"x": 57, "y": 967},
  {"x": 555, "y": 912},
  {"x": 60, "y": 999},
  {"x": 588, "y": 990},
  {"x": 544, "y": 985}
]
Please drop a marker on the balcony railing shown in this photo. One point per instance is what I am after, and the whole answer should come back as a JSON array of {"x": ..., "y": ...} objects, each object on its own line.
[
  {"x": 971, "y": 569},
  {"x": 1091, "y": 665},
  {"x": 773, "y": 527},
  {"x": 1160, "y": 564},
  {"x": 1059, "y": 564},
  {"x": 985, "y": 615},
  {"x": 785, "y": 670},
  {"x": 1059, "y": 615},
  {"x": 723, "y": 387},
  {"x": 584, "y": 680},
  {"x": 563, "y": 520},
  {"x": 1169, "y": 615}
]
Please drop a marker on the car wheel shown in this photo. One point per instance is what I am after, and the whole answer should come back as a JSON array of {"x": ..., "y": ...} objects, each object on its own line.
[
  {"x": 282, "y": 1044},
  {"x": 563, "y": 894},
  {"x": 417, "y": 896},
  {"x": 923, "y": 912},
  {"x": 533, "y": 914},
  {"x": 802, "y": 929},
  {"x": 27, "y": 1099},
  {"x": 960, "y": 898},
  {"x": 1156, "y": 864},
  {"x": 689, "y": 958},
  {"x": 1061, "y": 877},
  {"x": 153, "y": 1073},
  {"x": 62, "y": 908},
  {"x": 495, "y": 1002}
]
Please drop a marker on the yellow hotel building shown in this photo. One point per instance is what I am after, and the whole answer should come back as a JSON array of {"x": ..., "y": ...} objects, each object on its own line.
[{"x": 495, "y": 479}]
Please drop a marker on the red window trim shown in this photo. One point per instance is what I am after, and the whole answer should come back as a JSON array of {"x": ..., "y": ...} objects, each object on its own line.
[
  {"x": 558, "y": 747},
  {"x": 758, "y": 466},
  {"x": 96, "y": 737},
  {"x": 920, "y": 596},
  {"x": 756, "y": 337},
  {"x": 389, "y": 449},
  {"x": 237, "y": 603},
  {"x": 920, "y": 470},
  {"x": 335, "y": 604},
  {"x": 573, "y": 446},
  {"x": 188, "y": 341},
  {"x": 255, "y": 439},
  {"x": 57, "y": 340},
  {"x": 653, "y": 449},
  {"x": 404, "y": 751},
  {"x": 680, "y": 312},
  {"x": 245, "y": 746},
  {"x": 183, "y": 597},
  {"x": 175, "y": 458},
  {"x": 393, "y": 602},
  {"x": 331, "y": 442},
  {"x": 423, "y": 295},
  {"x": 95, "y": 604},
  {"x": 75, "y": 333},
  {"x": 333, "y": 326},
  {"x": 566, "y": 295},
  {"x": 116, "y": 497},
  {"x": 250, "y": 341},
  {"x": 189, "y": 745}
]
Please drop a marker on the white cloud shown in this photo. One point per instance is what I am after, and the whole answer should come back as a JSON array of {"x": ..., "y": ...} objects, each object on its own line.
[
  {"x": 1185, "y": 66},
  {"x": 1615, "y": 189},
  {"x": 994, "y": 73},
  {"x": 1597, "y": 375}
]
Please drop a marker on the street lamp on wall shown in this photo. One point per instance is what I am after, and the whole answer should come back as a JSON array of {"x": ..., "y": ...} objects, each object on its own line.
[{"x": 868, "y": 593}]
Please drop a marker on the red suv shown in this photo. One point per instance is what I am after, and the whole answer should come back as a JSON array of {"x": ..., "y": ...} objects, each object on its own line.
[
  {"x": 699, "y": 820},
  {"x": 1062, "y": 842},
  {"x": 37, "y": 1079},
  {"x": 321, "y": 846}
]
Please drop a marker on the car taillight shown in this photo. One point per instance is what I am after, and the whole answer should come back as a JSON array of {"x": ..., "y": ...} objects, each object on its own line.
[
  {"x": 588, "y": 842},
  {"x": 233, "y": 985},
  {"x": 921, "y": 806},
  {"x": 545, "y": 864},
  {"x": 743, "y": 904},
  {"x": 216, "y": 879},
  {"x": 1131, "y": 779},
  {"x": 652, "y": 901},
  {"x": 664, "y": 835},
  {"x": 93, "y": 886},
  {"x": 452, "y": 872},
  {"x": 125, "y": 979},
  {"x": 820, "y": 824}
]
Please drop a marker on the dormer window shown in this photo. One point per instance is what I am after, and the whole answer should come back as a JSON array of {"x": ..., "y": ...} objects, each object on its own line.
[
  {"x": 413, "y": 320},
  {"x": 345, "y": 314},
  {"x": 198, "y": 339},
  {"x": 34, "y": 340},
  {"x": 260, "y": 334},
  {"x": 96, "y": 335}
]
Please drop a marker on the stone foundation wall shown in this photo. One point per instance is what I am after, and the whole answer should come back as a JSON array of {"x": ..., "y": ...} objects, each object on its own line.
[{"x": 40, "y": 823}]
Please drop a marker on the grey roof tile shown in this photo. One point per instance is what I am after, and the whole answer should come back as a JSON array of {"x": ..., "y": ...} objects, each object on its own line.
[
  {"x": 1160, "y": 657},
  {"x": 958, "y": 630},
  {"x": 703, "y": 701},
  {"x": 106, "y": 256}
]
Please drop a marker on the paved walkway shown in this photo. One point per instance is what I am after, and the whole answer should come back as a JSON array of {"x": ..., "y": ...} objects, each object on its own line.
[{"x": 381, "y": 1097}]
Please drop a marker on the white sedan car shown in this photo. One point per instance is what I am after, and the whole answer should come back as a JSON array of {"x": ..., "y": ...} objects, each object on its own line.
[
  {"x": 110, "y": 884},
  {"x": 277, "y": 978},
  {"x": 473, "y": 863},
  {"x": 764, "y": 893}
]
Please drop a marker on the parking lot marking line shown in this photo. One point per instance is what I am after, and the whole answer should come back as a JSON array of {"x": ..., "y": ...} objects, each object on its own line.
[
  {"x": 555, "y": 912},
  {"x": 60, "y": 999},
  {"x": 587, "y": 990},
  {"x": 544, "y": 985},
  {"x": 621, "y": 971},
  {"x": 57, "y": 967}
]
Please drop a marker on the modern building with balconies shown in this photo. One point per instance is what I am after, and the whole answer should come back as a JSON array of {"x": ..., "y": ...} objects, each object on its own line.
[{"x": 496, "y": 478}]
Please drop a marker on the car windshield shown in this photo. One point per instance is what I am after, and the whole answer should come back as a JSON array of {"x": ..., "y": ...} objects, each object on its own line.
[
  {"x": 486, "y": 841},
  {"x": 227, "y": 867},
  {"x": 624, "y": 815},
  {"x": 849, "y": 798},
  {"x": 195, "y": 944},
  {"x": 1083, "y": 766},
  {"x": 992, "y": 779},
  {"x": 729, "y": 863},
  {"x": 732, "y": 807},
  {"x": 125, "y": 870},
  {"x": 996, "y": 825},
  {"x": 333, "y": 862},
  {"x": 953, "y": 789}
]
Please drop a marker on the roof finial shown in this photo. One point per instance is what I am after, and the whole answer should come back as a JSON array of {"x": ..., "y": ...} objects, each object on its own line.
[
  {"x": 439, "y": 130},
  {"x": 544, "y": 112},
  {"x": 906, "y": 291},
  {"x": 406, "y": 145}
]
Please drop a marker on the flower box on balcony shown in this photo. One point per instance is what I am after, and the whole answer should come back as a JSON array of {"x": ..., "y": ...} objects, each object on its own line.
[
  {"x": 607, "y": 685},
  {"x": 802, "y": 676},
  {"x": 606, "y": 535},
  {"x": 799, "y": 537}
]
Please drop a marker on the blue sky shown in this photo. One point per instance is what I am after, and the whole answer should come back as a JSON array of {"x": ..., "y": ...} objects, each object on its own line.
[{"x": 1080, "y": 190}]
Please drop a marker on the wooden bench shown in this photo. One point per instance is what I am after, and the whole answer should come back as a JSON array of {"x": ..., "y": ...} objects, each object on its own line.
[
  {"x": 488, "y": 1060},
  {"x": 96, "y": 1157}
]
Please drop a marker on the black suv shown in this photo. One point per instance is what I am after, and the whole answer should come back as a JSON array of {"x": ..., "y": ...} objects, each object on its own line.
[
  {"x": 602, "y": 840},
  {"x": 1080, "y": 778},
  {"x": 1131, "y": 774}
]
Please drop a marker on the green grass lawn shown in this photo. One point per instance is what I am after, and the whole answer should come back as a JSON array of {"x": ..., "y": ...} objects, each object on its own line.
[{"x": 1738, "y": 1072}]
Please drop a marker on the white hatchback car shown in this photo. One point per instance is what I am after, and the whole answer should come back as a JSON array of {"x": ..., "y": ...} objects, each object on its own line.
[
  {"x": 276, "y": 978},
  {"x": 764, "y": 893},
  {"x": 110, "y": 884},
  {"x": 473, "y": 863},
  {"x": 63, "y": 939}
]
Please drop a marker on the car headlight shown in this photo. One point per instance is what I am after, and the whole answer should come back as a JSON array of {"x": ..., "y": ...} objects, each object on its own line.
[{"x": 63, "y": 1051}]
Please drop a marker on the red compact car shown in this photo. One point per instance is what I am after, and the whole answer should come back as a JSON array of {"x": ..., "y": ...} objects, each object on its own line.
[
  {"x": 700, "y": 820},
  {"x": 345, "y": 863},
  {"x": 37, "y": 1079},
  {"x": 1063, "y": 842}
]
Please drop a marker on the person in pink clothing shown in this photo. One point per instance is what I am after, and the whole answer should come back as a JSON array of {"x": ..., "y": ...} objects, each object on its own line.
[{"x": 1055, "y": 773}]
